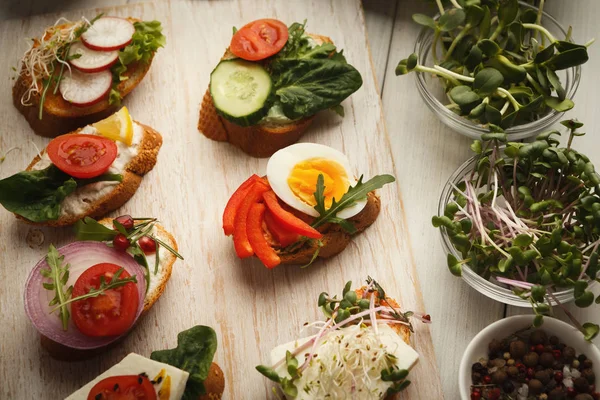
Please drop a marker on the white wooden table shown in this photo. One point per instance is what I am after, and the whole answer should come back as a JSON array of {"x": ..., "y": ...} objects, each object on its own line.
[{"x": 426, "y": 153}]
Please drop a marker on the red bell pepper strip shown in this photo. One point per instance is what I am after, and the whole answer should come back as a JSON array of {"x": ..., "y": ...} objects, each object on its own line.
[
  {"x": 288, "y": 220},
  {"x": 234, "y": 203},
  {"x": 243, "y": 248},
  {"x": 263, "y": 251},
  {"x": 282, "y": 235}
]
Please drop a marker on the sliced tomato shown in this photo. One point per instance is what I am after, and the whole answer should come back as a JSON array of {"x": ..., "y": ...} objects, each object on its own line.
[
  {"x": 259, "y": 39},
  {"x": 288, "y": 220},
  {"x": 234, "y": 203},
  {"x": 261, "y": 247},
  {"x": 283, "y": 236},
  {"x": 243, "y": 248},
  {"x": 82, "y": 156},
  {"x": 109, "y": 314},
  {"x": 123, "y": 387}
]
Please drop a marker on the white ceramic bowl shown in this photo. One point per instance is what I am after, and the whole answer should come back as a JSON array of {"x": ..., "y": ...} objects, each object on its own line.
[{"x": 478, "y": 347}]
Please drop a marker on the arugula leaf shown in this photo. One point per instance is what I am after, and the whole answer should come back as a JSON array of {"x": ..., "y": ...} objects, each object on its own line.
[
  {"x": 194, "y": 353},
  {"x": 36, "y": 195},
  {"x": 59, "y": 274},
  {"x": 354, "y": 194},
  {"x": 90, "y": 229}
]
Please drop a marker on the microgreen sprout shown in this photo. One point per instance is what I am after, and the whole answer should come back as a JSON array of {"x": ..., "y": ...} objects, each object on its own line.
[
  {"x": 351, "y": 336},
  {"x": 527, "y": 215},
  {"x": 498, "y": 61}
]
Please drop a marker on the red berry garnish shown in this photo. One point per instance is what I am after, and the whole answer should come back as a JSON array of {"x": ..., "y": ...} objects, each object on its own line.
[
  {"x": 539, "y": 348},
  {"x": 494, "y": 394},
  {"x": 532, "y": 349},
  {"x": 126, "y": 221},
  {"x": 556, "y": 354},
  {"x": 571, "y": 392},
  {"x": 147, "y": 244},
  {"x": 558, "y": 376},
  {"x": 120, "y": 242},
  {"x": 487, "y": 379},
  {"x": 476, "y": 390},
  {"x": 476, "y": 396}
]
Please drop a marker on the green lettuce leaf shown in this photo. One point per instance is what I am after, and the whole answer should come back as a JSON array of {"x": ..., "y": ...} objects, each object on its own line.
[{"x": 194, "y": 353}]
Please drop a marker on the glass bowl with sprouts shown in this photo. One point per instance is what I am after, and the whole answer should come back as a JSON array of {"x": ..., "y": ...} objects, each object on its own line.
[
  {"x": 520, "y": 222},
  {"x": 483, "y": 65}
]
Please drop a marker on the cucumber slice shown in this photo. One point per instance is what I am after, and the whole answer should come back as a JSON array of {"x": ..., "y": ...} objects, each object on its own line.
[{"x": 241, "y": 91}]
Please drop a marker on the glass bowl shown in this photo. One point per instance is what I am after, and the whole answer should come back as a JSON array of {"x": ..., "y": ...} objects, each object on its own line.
[
  {"x": 490, "y": 288},
  {"x": 432, "y": 90}
]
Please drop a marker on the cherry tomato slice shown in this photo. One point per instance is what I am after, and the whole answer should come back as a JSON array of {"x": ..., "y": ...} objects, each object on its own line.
[
  {"x": 82, "y": 156},
  {"x": 123, "y": 387},
  {"x": 259, "y": 39},
  {"x": 109, "y": 314}
]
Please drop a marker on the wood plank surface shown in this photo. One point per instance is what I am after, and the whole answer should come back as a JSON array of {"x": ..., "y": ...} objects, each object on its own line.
[
  {"x": 251, "y": 308},
  {"x": 426, "y": 154}
]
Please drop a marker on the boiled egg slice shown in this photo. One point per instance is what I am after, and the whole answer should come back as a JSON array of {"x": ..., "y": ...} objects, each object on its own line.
[{"x": 293, "y": 172}]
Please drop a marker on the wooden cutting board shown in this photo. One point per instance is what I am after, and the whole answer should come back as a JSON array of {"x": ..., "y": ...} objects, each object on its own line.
[{"x": 251, "y": 308}]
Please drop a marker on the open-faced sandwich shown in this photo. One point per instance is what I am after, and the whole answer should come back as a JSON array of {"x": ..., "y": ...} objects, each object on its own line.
[
  {"x": 89, "y": 293},
  {"x": 90, "y": 172},
  {"x": 362, "y": 351},
  {"x": 270, "y": 84},
  {"x": 309, "y": 205},
  {"x": 185, "y": 372},
  {"x": 77, "y": 72}
]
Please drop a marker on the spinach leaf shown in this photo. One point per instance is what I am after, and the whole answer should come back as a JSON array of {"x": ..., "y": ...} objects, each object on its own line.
[
  {"x": 36, "y": 195},
  {"x": 307, "y": 86},
  {"x": 194, "y": 353},
  {"x": 309, "y": 79}
]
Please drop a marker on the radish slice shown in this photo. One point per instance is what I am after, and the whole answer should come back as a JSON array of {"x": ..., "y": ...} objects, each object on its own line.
[
  {"x": 91, "y": 60},
  {"x": 108, "y": 33},
  {"x": 80, "y": 256},
  {"x": 83, "y": 89}
]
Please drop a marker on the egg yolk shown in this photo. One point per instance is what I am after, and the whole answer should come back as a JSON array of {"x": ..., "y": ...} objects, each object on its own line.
[{"x": 303, "y": 180}]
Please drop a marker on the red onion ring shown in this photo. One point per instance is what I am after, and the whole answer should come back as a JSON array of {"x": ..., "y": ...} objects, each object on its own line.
[{"x": 80, "y": 256}]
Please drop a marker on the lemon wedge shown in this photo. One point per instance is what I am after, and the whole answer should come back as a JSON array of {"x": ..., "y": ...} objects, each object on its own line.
[{"x": 117, "y": 127}]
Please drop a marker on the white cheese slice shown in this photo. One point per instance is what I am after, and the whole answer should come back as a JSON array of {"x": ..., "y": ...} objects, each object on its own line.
[
  {"x": 313, "y": 384},
  {"x": 135, "y": 364}
]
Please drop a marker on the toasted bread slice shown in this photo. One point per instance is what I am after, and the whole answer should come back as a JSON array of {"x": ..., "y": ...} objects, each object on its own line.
[
  {"x": 259, "y": 140},
  {"x": 157, "y": 286},
  {"x": 60, "y": 116},
  {"x": 135, "y": 170},
  {"x": 334, "y": 239}
]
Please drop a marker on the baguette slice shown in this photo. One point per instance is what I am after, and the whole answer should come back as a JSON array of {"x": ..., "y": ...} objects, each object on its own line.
[
  {"x": 60, "y": 116},
  {"x": 259, "y": 140},
  {"x": 334, "y": 239},
  {"x": 140, "y": 165},
  {"x": 157, "y": 287}
]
